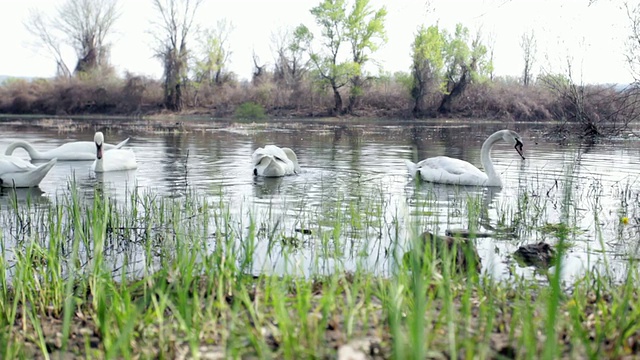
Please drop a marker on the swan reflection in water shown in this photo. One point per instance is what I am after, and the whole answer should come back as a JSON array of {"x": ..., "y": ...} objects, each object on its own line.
[
  {"x": 429, "y": 198},
  {"x": 34, "y": 195},
  {"x": 266, "y": 186},
  {"x": 115, "y": 184}
]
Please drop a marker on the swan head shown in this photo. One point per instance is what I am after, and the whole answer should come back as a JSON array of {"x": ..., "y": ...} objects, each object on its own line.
[
  {"x": 269, "y": 166},
  {"x": 514, "y": 139},
  {"x": 99, "y": 140}
]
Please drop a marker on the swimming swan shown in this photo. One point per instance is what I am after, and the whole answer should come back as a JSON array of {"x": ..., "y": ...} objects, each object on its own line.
[
  {"x": 72, "y": 151},
  {"x": 446, "y": 170},
  {"x": 273, "y": 161},
  {"x": 112, "y": 160},
  {"x": 17, "y": 172}
]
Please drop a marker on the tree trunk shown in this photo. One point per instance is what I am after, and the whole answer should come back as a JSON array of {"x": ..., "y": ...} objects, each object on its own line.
[
  {"x": 354, "y": 97},
  {"x": 456, "y": 90},
  {"x": 178, "y": 98},
  {"x": 173, "y": 95},
  {"x": 87, "y": 63},
  {"x": 418, "y": 96},
  {"x": 337, "y": 98}
]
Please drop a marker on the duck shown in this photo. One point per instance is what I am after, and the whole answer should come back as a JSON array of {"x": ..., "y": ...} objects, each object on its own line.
[
  {"x": 71, "y": 151},
  {"x": 465, "y": 257},
  {"x": 539, "y": 255},
  {"x": 274, "y": 161},
  {"x": 112, "y": 160},
  {"x": 19, "y": 173},
  {"x": 447, "y": 170}
]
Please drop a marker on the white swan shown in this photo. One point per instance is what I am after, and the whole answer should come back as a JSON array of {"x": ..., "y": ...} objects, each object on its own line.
[
  {"x": 112, "y": 160},
  {"x": 17, "y": 172},
  {"x": 273, "y": 161},
  {"x": 77, "y": 150},
  {"x": 446, "y": 170}
]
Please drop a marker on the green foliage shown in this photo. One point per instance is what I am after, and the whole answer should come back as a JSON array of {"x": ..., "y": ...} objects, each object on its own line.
[
  {"x": 404, "y": 79},
  {"x": 14, "y": 81},
  {"x": 554, "y": 81},
  {"x": 446, "y": 63},
  {"x": 330, "y": 16},
  {"x": 463, "y": 54},
  {"x": 362, "y": 28},
  {"x": 302, "y": 36},
  {"x": 428, "y": 50},
  {"x": 249, "y": 110}
]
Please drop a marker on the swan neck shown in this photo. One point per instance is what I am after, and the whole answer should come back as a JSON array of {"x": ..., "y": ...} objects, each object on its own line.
[
  {"x": 33, "y": 153},
  {"x": 485, "y": 158}
]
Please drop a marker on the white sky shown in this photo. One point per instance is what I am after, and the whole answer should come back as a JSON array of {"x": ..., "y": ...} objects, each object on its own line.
[{"x": 592, "y": 36}]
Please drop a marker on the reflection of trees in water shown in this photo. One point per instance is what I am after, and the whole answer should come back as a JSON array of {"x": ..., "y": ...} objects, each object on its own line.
[
  {"x": 353, "y": 137},
  {"x": 426, "y": 140},
  {"x": 175, "y": 163}
]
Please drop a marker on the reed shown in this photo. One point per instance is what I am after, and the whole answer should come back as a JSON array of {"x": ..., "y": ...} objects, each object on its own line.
[{"x": 150, "y": 276}]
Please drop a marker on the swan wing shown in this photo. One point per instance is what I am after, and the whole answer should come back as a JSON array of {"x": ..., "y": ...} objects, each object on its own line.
[
  {"x": 117, "y": 146},
  {"x": 116, "y": 160},
  {"x": 19, "y": 173},
  {"x": 272, "y": 161},
  {"x": 443, "y": 169},
  {"x": 270, "y": 150},
  {"x": 77, "y": 150},
  {"x": 10, "y": 164}
]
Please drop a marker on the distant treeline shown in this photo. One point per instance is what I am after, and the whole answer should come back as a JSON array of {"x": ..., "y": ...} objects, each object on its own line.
[
  {"x": 387, "y": 97},
  {"x": 313, "y": 74}
]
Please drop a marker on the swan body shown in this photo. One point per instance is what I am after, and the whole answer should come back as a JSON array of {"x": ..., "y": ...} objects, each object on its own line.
[
  {"x": 16, "y": 172},
  {"x": 112, "y": 160},
  {"x": 72, "y": 151},
  {"x": 446, "y": 170},
  {"x": 273, "y": 161}
]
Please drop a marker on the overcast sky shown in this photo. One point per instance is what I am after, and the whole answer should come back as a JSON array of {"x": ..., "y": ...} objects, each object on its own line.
[{"x": 593, "y": 37}]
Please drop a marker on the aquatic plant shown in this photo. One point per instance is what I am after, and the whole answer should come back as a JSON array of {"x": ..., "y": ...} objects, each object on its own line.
[{"x": 151, "y": 276}]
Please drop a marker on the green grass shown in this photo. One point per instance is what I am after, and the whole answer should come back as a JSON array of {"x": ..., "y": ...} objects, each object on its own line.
[{"x": 187, "y": 282}]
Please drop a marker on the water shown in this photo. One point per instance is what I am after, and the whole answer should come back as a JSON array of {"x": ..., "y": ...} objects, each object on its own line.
[{"x": 359, "y": 161}]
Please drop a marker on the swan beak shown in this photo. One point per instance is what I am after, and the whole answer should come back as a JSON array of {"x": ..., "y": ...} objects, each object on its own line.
[
  {"x": 518, "y": 148},
  {"x": 99, "y": 147}
]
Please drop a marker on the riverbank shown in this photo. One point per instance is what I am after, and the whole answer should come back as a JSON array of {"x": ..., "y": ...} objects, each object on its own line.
[{"x": 167, "y": 315}]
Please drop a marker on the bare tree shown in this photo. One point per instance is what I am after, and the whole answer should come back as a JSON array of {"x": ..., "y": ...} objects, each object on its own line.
[
  {"x": 633, "y": 42},
  {"x": 290, "y": 49},
  {"x": 491, "y": 47},
  {"x": 597, "y": 110},
  {"x": 291, "y": 63},
  {"x": 258, "y": 70},
  {"x": 84, "y": 25},
  {"x": 528, "y": 46},
  {"x": 175, "y": 19},
  {"x": 38, "y": 27}
]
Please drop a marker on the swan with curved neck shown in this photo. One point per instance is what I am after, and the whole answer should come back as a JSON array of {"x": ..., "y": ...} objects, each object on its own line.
[
  {"x": 446, "y": 170},
  {"x": 112, "y": 160},
  {"x": 72, "y": 151},
  {"x": 273, "y": 161},
  {"x": 15, "y": 172}
]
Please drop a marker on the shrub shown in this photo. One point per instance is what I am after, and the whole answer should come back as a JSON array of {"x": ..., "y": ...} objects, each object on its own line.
[{"x": 249, "y": 110}]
